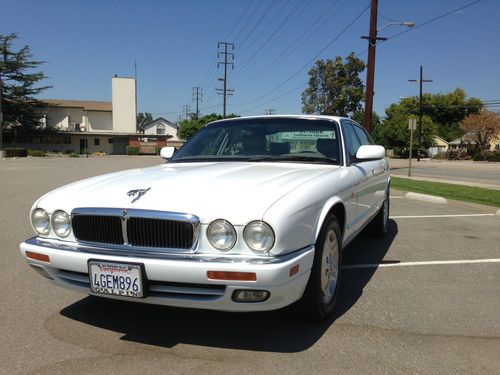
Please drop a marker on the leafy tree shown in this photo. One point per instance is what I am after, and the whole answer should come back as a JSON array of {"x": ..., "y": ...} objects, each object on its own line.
[
  {"x": 445, "y": 110},
  {"x": 393, "y": 132},
  {"x": 191, "y": 126},
  {"x": 359, "y": 117},
  {"x": 19, "y": 86},
  {"x": 334, "y": 87},
  {"x": 143, "y": 118},
  {"x": 481, "y": 128}
]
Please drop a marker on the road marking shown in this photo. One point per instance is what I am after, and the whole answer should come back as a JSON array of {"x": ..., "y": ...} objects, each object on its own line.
[
  {"x": 432, "y": 216},
  {"x": 397, "y": 197},
  {"x": 406, "y": 264}
]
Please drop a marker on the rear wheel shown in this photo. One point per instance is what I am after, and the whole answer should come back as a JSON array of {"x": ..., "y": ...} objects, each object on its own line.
[{"x": 320, "y": 296}]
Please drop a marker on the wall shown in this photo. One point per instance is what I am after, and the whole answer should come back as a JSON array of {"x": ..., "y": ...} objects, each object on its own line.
[
  {"x": 99, "y": 121},
  {"x": 124, "y": 110}
]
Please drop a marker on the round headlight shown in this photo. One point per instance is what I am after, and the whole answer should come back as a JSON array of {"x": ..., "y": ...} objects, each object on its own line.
[
  {"x": 40, "y": 221},
  {"x": 61, "y": 223},
  {"x": 259, "y": 236},
  {"x": 221, "y": 235}
]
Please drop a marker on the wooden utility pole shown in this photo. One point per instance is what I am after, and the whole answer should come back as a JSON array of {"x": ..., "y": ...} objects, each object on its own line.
[
  {"x": 228, "y": 60},
  {"x": 4, "y": 53},
  {"x": 420, "y": 109},
  {"x": 370, "y": 69},
  {"x": 270, "y": 111}
]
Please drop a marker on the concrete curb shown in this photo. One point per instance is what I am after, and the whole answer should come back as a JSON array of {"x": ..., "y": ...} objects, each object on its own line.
[
  {"x": 498, "y": 212},
  {"x": 426, "y": 198}
]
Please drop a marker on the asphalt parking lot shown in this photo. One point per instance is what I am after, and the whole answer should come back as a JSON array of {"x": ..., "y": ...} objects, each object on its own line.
[{"x": 424, "y": 300}]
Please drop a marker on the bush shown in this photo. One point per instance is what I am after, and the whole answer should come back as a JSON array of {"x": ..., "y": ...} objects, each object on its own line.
[
  {"x": 493, "y": 156},
  {"x": 69, "y": 152},
  {"x": 16, "y": 152},
  {"x": 131, "y": 150},
  {"x": 37, "y": 153},
  {"x": 73, "y": 155},
  {"x": 457, "y": 155},
  {"x": 478, "y": 156}
]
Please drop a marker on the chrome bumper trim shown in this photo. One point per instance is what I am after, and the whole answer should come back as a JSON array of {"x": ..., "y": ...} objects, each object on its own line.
[{"x": 190, "y": 257}]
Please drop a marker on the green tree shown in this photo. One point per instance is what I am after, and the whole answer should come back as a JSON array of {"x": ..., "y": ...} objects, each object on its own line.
[
  {"x": 445, "y": 110},
  {"x": 189, "y": 127},
  {"x": 359, "y": 117},
  {"x": 143, "y": 118},
  {"x": 19, "y": 86},
  {"x": 334, "y": 87},
  {"x": 393, "y": 131}
]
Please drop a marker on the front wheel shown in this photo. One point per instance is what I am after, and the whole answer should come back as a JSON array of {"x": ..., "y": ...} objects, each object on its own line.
[
  {"x": 380, "y": 223},
  {"x": 320, "y": 296}
]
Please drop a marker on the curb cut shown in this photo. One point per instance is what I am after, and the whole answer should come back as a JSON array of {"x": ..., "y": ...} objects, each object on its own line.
[{"x": 426, "y": 198}]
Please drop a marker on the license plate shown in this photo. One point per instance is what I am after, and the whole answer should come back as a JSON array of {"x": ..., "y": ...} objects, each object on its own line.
[{"x": 118, "y": 279}]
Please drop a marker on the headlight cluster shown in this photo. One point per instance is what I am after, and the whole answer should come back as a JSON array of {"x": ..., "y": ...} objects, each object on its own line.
[
  {"x": 258, "y": 236},
  {"x": 43, "y": 224}
]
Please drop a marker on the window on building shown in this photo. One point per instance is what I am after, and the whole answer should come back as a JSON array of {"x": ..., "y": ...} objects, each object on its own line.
[
  {"x": 110, "y": 141},
  {"x": 161, "y": 129},
  {"x": 97, "y": 141}
]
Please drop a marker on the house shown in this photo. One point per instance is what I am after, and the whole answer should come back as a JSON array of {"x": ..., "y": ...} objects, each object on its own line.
[
  {"x": 162, "y": 126},
  {"x": 439, "y": 146}
]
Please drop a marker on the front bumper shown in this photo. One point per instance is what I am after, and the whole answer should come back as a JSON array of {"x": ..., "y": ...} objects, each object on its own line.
[{"x": 181, "y": 279}]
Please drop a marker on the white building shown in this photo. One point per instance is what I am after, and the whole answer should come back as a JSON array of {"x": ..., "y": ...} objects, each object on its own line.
[{"x": 162, "y": 126}]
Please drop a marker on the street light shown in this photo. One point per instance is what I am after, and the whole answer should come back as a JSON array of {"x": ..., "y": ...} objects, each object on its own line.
[{"x": 370, "y": 74}]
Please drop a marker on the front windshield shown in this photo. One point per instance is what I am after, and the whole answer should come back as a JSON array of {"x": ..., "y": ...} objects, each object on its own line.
[{"x": 264, "y": 139}]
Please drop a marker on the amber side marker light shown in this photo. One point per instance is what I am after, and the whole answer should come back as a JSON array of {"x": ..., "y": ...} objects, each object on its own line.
[
  {"x": 294, "y": 270},
  {"x": 238, "y": 276},
  {"x": 38, "y": 256}
]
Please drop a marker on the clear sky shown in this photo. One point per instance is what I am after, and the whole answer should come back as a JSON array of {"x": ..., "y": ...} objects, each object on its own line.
[{"x": 84, "y": 43}]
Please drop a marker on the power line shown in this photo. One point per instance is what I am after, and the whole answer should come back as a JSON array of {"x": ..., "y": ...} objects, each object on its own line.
[
  {"x": 197, "y": 97},
  {"x": 239, "y": 19},
  {"x": 266, "y": 12},
  {"x": 248, "y": 21},
  {"x": 310, "y": 61}
]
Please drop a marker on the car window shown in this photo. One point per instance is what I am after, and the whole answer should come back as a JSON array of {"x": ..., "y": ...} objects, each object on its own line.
[
  {"x": 363, "y": 136},
  {"x": 351, "y": 140},
  {"x": 280, "y": 140}
]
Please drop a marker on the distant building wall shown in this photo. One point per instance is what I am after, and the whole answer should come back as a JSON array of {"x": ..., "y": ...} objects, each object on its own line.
[
  {"x": 99, "y": 121},
  {"x": 124, "y": 110}
]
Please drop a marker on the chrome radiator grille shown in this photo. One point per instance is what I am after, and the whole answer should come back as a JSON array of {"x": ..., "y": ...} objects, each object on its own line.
[{"x": 135, "y": 228}]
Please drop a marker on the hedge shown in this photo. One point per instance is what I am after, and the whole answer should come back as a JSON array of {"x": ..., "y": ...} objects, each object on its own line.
[{"x": 16, "y": 152}]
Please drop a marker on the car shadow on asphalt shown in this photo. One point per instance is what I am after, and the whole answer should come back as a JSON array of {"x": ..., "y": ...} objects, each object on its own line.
[{"x": 275, "y": 331}]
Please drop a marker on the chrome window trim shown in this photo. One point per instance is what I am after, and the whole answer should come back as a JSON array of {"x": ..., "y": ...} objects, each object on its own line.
[{"x": 127, "y": 213}]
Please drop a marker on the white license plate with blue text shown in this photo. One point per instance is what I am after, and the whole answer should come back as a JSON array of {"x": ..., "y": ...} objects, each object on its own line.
[{"x": 118, "y": 279}]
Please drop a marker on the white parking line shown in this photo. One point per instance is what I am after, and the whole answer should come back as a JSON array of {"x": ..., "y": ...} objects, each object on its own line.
[
  {"x": 406, "y": 264},
  {"x": 432, "y": 216},
  {"x": 397, "y": 197}
]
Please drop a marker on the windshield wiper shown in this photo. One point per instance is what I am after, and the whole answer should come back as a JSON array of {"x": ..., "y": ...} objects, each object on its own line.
[{"x": 285, "y": 158}]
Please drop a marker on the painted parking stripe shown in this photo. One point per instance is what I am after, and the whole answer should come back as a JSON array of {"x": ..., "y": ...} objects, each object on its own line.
[
  {"x": 397, "y": 197},
  {"x": 427, "y": 263},
  {"x": 432, "y": 216}
]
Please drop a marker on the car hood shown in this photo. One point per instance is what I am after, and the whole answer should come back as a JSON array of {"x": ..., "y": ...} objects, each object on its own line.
[{"x": 235, "y": 191}]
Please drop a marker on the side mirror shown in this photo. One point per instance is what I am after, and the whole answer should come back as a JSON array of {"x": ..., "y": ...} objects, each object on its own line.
[
  {"x": 167, "y": 152},
  {"x": 370, "y": 152}
]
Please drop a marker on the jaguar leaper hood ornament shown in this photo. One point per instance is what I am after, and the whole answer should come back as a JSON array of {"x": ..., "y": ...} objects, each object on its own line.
[{"x": 137, "y": 193}]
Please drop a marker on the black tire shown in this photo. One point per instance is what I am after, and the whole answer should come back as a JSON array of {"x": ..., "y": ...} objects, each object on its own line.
[
  {"x": 315, "y": 304},
  {"x": 380, "y": 223}
]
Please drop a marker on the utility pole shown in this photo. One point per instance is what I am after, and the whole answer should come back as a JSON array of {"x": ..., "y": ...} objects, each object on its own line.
[
  {"x": 370, "y": 72},
  {"x": 135, "y": 80},
  {"x": 270, "y": 111},
  {"x": 186, "y": 110},
  {"x": 420, "y": 112},
  {"x": 197, "y": 97},
  {"x": 228, "y": 60}
]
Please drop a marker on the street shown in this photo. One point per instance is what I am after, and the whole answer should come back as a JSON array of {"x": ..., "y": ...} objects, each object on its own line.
[{"x": 423, "y": 300}]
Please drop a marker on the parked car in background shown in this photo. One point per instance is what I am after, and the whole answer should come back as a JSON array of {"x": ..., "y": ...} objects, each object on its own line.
[{"x": 263, "y": 208}]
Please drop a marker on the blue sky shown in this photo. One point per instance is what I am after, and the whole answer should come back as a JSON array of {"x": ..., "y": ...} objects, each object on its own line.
[{"x": 175, "y": 43}]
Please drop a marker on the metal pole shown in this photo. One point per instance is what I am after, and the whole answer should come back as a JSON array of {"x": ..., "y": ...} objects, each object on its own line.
[
  {"x": 4, "y": 52},
  {"x": 420, "y": 115}
]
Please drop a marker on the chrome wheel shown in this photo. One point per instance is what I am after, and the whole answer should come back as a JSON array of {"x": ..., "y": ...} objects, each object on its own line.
[{"x": 329, "y": 266}]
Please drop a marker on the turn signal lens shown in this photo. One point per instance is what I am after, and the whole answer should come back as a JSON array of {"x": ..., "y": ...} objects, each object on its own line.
[
  {"x": 235, "y": 276},
  {"x": 38, "y": 256}
]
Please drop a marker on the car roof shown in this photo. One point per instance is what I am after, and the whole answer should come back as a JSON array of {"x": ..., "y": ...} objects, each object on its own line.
[{"x": 305, "y": 117}]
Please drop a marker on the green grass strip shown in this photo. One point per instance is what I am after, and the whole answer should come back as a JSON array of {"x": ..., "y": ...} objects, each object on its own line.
[{"x": 472, "y": 194}]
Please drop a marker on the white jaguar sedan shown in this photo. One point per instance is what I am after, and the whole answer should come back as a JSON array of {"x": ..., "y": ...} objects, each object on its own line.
[{"x": 263, "y": 208}]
